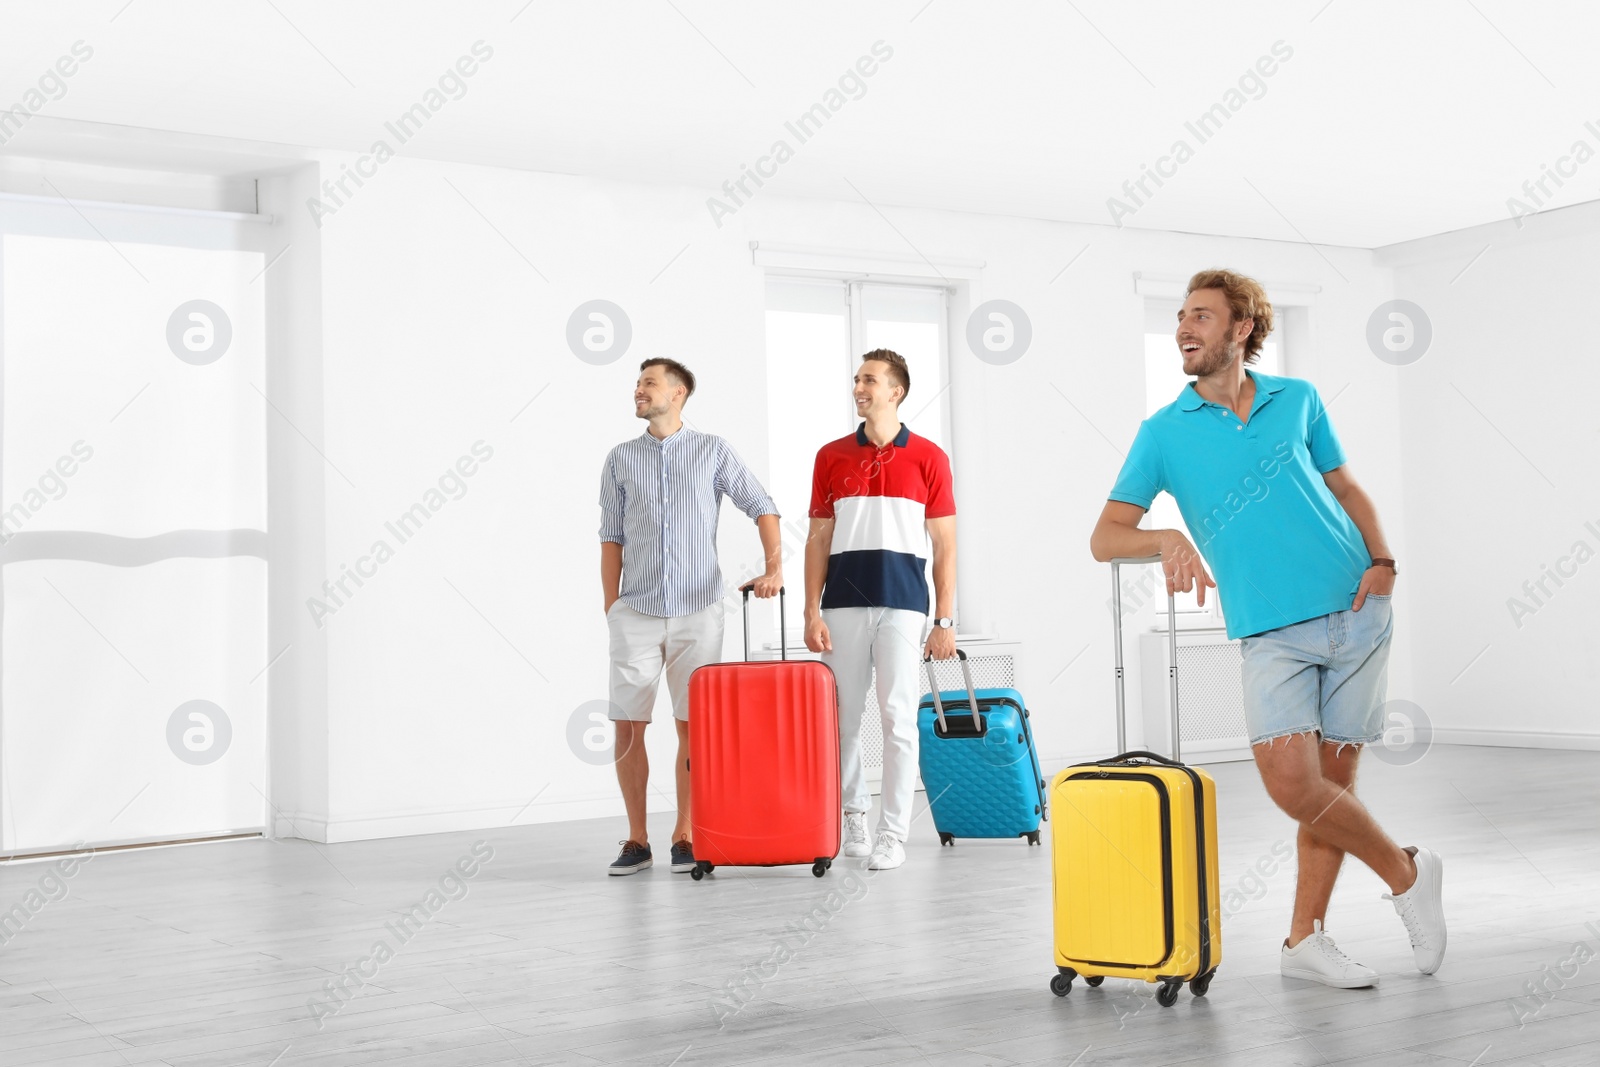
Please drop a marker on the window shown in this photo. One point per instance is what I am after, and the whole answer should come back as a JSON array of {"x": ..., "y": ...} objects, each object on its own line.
[
  {"x": 133, "y": 572},
  {"x": 817, "y": 331},
  {"x": 808, "y": 341},
  {"x": 909, "y": 320}
]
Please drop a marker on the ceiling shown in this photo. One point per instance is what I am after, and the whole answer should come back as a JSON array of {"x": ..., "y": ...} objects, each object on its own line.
[{"x": 1381, "y": 120}]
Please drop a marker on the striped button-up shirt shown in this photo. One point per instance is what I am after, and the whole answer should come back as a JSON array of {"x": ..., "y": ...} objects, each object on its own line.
[{"x": 659, "y": 499}]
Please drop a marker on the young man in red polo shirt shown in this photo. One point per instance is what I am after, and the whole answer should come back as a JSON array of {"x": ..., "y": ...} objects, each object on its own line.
[{"x": 878, "y": 497}]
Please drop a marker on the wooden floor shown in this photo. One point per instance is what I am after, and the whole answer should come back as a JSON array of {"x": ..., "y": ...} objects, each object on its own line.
[{"x": 219, "y": 954}]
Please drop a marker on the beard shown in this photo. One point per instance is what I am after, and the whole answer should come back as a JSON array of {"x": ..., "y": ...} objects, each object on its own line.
[
  {"x": 1211, "y": 359},
  {"x": 655, "y": 411}
]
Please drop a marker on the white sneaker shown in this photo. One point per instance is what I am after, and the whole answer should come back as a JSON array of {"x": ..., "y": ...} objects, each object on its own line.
[
  {"x": 887, "y": 854},
  {"x": 1421, "y": 908},
  {"x": 855, "y": 834},
  {"x": 1318, "y": 959}
]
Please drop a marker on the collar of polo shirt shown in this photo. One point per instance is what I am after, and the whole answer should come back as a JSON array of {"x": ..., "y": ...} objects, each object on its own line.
[
  {"x": 1191, "y": 400},
  {"x": 899, "y": 441}
]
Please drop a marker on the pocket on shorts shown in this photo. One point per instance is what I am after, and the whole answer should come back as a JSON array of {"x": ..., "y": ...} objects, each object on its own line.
[{"x": 1375, "y": 621}]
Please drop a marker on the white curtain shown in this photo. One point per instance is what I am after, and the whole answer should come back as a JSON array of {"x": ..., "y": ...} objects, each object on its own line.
[{"x": 133, "y": 573}]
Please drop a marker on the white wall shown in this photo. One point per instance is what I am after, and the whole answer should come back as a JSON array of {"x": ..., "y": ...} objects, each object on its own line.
[
  {"x": 1499, "y": 437},
  {"x": 452, "y": 673},
  {"x": 297, "y": 487}
]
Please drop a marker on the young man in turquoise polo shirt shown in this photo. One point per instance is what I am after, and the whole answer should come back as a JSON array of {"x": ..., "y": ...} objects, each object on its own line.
[{"x": 1305, "y": 579}]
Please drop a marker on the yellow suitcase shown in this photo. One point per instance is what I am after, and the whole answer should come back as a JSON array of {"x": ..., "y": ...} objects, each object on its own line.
[{"x": 1134, "y": 843}]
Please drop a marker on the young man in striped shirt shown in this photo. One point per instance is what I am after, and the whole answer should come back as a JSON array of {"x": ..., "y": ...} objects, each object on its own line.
[
  {"x": 878, "y": 497},
  {"x": 660, "y": 494}
]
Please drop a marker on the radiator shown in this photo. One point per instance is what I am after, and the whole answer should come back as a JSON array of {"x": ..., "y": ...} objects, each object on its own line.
[
  {"x": 1210, "y": 696},
  {"x": 994, "y": 666}
]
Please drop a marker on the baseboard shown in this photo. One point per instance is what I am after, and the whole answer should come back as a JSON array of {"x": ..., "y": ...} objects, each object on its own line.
[
  {"x": 408, "y": 824},
  {"x": 609, "y": 805},
  {"x": 299, "y": 824},
  {"x": 1450, "y": 735}
]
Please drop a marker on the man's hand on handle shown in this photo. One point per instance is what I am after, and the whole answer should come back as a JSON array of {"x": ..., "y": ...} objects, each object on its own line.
[
  {"x": 767, "y": 585},
  {"x": 941, "y": 644},
  {"x": 1184, "y": 568}
]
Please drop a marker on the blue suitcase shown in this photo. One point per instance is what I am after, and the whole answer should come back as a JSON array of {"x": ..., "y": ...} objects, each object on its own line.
[{"x": 981, "y": 774}]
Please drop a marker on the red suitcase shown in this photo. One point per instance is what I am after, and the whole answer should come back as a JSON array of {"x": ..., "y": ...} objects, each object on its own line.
[{"x": 764, "y": 761}]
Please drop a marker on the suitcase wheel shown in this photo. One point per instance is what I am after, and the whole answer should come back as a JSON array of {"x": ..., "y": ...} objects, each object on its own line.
[
  {"x": 1061, "y": 984},
  {"x": 701, "y": 869},
  {"x": 1199, "y": 986},
  {"x": 820, "y": 867},
  {"x": 1032, "y": 836},
  {"x": 697, "y": 874},
  {"x": 946, "y": 839},
  {"x": 1167, "y": 996},
  {"x": 1095, "y": 980}
]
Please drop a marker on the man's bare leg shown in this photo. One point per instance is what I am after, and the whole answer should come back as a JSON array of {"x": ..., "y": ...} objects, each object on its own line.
[
  {"x": 1327, "y": 809},
  {"x": 633, "y": 775},
  {"x": 683, "y": 830},
  {"x": 1320, "y": 861}
]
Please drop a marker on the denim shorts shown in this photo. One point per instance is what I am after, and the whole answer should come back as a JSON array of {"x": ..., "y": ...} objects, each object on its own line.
[{"x": 1327, "y": 674}]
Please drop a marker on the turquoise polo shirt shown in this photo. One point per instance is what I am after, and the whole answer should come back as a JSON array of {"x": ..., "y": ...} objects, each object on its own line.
[{"x": 1281, "y": 548}]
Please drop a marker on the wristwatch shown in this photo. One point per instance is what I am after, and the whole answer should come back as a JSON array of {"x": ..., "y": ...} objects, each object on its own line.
[
  {"x": 945, "y": 624},
  {"x": 1376, "y": 562}
]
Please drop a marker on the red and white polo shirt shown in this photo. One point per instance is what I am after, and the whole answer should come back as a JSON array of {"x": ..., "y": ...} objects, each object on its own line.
[{"x": 879, "y": 500}]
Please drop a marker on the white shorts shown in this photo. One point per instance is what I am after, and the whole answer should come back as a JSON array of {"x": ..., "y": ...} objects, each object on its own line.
[{"x": 642, "y": 646}]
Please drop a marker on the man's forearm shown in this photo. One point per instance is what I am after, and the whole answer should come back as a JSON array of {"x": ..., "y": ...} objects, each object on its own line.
[
  {"x": 1364, "y": 513},
  {"x": 771, "y": 542},
  {"x": 944, "y": 583},
  {"x": 816, "y": 573},
  {"x": 610, "y": 571},
  {"x": 1113, "y": 541}
]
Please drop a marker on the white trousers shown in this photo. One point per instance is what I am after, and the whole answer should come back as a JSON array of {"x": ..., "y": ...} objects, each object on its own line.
[{"x": 890, "y": 640}]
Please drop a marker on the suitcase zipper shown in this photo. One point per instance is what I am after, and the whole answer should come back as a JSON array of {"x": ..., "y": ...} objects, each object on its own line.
[{"x": 1202, "y": 866}]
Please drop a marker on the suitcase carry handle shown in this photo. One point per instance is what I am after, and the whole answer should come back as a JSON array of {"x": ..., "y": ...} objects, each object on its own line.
[
  {"x": 1172, "y": 665},
  {"x": 783, "y": 634},
  {"x": 972, "y": 695},
  {"x": 1140, "y": 753}
]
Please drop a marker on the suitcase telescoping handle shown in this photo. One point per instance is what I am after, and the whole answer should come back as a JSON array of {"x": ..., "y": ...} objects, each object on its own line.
[
  {"x": 972, "y": 694},
  {"x": 783, "y": 634},
  {"x": 1172, "y": 660}
]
